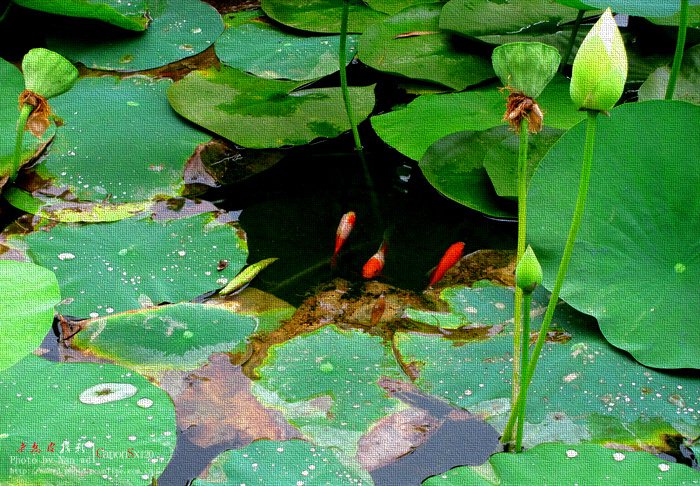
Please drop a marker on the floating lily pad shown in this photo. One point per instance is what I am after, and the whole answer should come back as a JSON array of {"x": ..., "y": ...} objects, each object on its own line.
[
  {"x": 29, "y": 294},
  {"x": 475, "y": 168},
  {"x": 411, "y": 44},
  {"x": 107, "y": 268},
  {"x": 641, "y": 8},
  {"x": 121, "y": 142},
  {"x": 693, "y": 18},
  {"x": 687, "y": 83},
  {"x": 97, "y": 423},
  {"x": 12, "y": 84},
  {"x": 179, "y": 336},
  {"x": 130, "y": 15},
  {"x": 326, "y": 384},
  {"x": 179, "y": 29},
  {"x": 428, "y": 118},
  {"x": 584, "y": 389},
  {"x": 395, "y": 6},
  {"x": 289, "y": 462},
  {"x": 635, "y": 262},
  {"x": 475, "y": 18},
  {"x": 570, "y": 464},
  {"x": 320, "y": 15},
  {"x": 260, "y": 113},
  {"x": 577, "y": 4},
  {"x": 252, "y": 44}
]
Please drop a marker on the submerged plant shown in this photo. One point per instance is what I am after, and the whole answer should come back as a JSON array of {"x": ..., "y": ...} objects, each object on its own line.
[
  {"x": 525, "y": 68},
  {"x": 46, "y": 75},
  {"x": 598, "y": 79}
]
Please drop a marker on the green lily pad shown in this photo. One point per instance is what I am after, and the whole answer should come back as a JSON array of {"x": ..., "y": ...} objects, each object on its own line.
[
  {"x": 635, "y": 262},
  {"x": 570, "y": 464},
  {"x": 411, "y": 44},
  {"x": 29, "y": 294},
  {"x": 131, "y": 15},
  {"x": 428, "y": 118},
  {"x": 252, "y": 44},
  {"x": 641, "y": 8},
  {"x": 584, "y": 389},
  {"x": 320, "y": 15},
  {"x": 326, "y": 384},
  {"x": 687, "y": 83},
  {"x": 392, "y": 7},
  {"x": 179, "y": 29},
  {"x": 577, "y": 4},
  {"x": 98, "y": 422},
  {"x": 260, "y": 113},
  {"x": 104, "y": 153},
  {"x": 179, "y": 336},
  {"x": 289, "y": 462},
  {"x": 475, "y": 18},
  {"x": 693, "y": 18},
  {"x": 106, "y": 268},
  {"x": 12, "y": 84},
  {"x": 475, "y": 168}
]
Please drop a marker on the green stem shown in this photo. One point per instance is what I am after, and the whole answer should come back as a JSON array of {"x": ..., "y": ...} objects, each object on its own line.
[
  {"x": 572, "y": 39},
  {"x": 522, "y": 238},
  {"x": 21, "y": 126},
  {"x": 680, "y": 45},
  {"x": 561, "y": 274},
  {"x": 527, "y": 301}
]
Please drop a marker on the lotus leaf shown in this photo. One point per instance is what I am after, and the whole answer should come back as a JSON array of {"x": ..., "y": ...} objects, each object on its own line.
[
  {"x": 428, "y": 118},
  {"x": 395, "y": 6},
  {"x": 29, "y": 294},
  {"x": 106, "y": 268},
  {"x": 320, "y": 15},
  {"x": 411, "y": 44},
  {"x": 121, "y": 142},
  {"x": 11, "y": 85},
  {"x": 178, "y": 336},
  {"x": 326, "y": 384},
  {"x": 131, "y": 15},
  {"x": 179, "y": 29},
  {"x": 252, "y": 44},
  {"x": 635, "y": 261},
  {"x": 584, "y": 390},
  {"x": 642, "y": 8},
  {"x": 260, "y": 113},
  {"x": 82, "y": 423},
  {"x": 289, "y": 462},
  {"x": 570, "y": 464}
]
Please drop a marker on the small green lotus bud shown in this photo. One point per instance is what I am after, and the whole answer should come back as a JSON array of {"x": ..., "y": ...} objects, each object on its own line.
[
  {"x": 526, "y": 66},
  {"x": 528, "y": 273},
  {"x": 600, "y": 67},
  {"x": 47, "y": 73}
]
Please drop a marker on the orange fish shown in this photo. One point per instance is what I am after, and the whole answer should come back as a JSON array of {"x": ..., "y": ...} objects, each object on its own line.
[
  {"x": 347, "y": 223},
  {"x": 451, "y": 256},
  {"x": 374, "y": 265}
]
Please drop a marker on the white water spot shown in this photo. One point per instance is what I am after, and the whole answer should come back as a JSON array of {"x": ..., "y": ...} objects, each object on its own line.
[
  {"x": 196, "y": 30},
  {"x": 500, "y": 305},
  {"x": 571, "y": 453},
  {"x": 144, "y": 477},
  {"x": 122, "y": 252},
  {"x": 571, "y": 377},
  {"x": 221, "y": 281},
  {"x": 470, "y": 309},
  {"x": 94, "y": 314},
  {"x": 66, "y": 256},
  {"x": 89, "y": 444},
  {"x": 664, "y": 467},
  {"x": 144, "y": 402},
  {"x": 618, "y": 456},
  {"x": 107, "y": 392},
  {"x": 132, "y": 438},
  {"x": 182, "y": 253}
]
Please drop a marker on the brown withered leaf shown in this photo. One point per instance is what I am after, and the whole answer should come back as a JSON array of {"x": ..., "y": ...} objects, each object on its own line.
[{"x": 39, "y": 119}]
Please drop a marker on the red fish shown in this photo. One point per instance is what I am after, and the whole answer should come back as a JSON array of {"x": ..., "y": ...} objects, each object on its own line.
[
  {"x": 374, "y": 265},
  {"x": 347, "y": 223},
  {"x": 451, "y": 256}
]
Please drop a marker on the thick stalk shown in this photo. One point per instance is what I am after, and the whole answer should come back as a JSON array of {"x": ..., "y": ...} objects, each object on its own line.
[
  {"x": 522, "y": 238},
  {"x": 19, "y": 140},
  {"x": 678, "y": 56},
  {"x": 561, "y": 274},
  {"x": 524, "y": 359},
  {"x": 572, "y": 39}
]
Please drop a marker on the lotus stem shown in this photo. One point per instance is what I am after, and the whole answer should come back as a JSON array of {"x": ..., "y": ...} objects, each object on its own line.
[
  {"x": 524, "y": 359},
  {"x": 678, "y": 55},
  {"x": 572, "y": 39},
  {"x": 21, "y": 126},
  {"x": 561, "y": 273}
]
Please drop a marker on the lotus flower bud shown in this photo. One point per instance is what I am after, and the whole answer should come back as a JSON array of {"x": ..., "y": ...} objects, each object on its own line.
[
  {"x": 600, "y": 67},
  {"x": 526, "y": 67},
  {"x": 528, "y": 273},
  {"x": 47, "y": 73}
]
